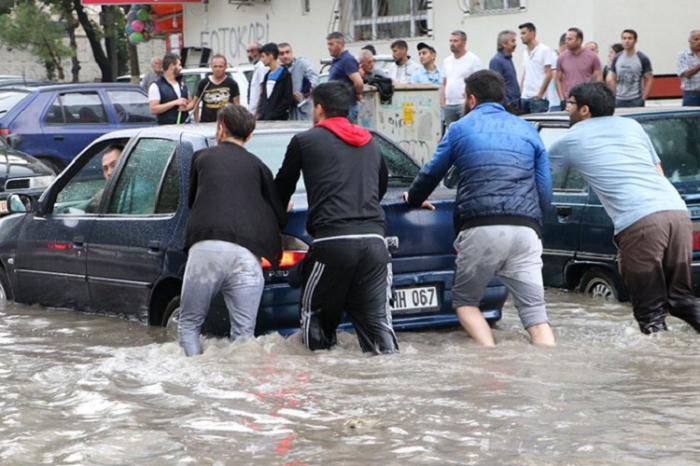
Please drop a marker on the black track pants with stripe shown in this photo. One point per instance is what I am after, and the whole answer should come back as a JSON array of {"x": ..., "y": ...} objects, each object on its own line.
[{"x": 351, "y": 275}]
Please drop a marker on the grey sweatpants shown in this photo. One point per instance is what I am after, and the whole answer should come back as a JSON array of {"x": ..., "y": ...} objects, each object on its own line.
[{"x": 214, "y": 266}]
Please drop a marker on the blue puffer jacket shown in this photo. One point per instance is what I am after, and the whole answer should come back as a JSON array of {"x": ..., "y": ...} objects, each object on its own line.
[{"x": 502, "y": 166}]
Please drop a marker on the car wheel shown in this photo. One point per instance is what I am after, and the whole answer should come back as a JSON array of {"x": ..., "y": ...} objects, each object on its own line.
[
  {"x": 5, "y": 290},
  {"x": 599, "y": 284},
  {"x": 171, "y": 317}
]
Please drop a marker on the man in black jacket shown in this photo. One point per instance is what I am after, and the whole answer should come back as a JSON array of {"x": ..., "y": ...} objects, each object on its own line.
[
  {"x": 235, "y": 219},
  {"x": 276, "y": 93},
  {"x": 348, "y": 267}
]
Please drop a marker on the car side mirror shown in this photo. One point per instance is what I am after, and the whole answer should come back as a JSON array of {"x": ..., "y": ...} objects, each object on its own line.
[
  {"x": 19, "y": 203},
  {"x": 451, "y": 179}
]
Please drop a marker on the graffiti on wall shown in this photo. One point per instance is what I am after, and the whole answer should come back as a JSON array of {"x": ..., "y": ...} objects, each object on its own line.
[{"x": 232, "y": 41}]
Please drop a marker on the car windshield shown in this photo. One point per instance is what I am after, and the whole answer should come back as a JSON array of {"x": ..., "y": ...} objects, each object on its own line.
[{"x": 9, "y": 99}]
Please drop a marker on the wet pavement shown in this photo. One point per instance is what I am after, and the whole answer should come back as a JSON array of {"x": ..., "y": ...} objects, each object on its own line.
[{"x": 82, "y": 389}]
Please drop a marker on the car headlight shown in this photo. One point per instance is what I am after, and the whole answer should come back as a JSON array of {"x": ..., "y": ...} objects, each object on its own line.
[{"x": 41, "y": 182}]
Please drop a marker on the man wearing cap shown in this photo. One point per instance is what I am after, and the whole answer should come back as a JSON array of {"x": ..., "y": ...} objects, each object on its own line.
[
  {"x": 428, "y": 73},
  {"x": 403, "y": 67}
]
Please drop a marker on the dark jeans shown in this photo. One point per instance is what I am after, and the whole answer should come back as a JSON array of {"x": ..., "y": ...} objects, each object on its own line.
[
  {"x": 351, "y": 276},
  {"x": 534, "y": 106},
  {"x": 638, "y": 102},
  {"x": 655, "y": 255},
  {"x": 691, "y": 98}
]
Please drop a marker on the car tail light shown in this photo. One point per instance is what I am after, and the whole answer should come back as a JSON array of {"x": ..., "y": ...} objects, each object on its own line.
[
  {"x": 4, "y": 132},
  {"x": 293, "y": 251},
  {"x": 696, "y": 241}
]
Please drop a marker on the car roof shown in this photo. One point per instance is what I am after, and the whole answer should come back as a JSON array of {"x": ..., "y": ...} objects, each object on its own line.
[
  {"x": 638, "y": 111},
  {"x": 69, "y": 86}
]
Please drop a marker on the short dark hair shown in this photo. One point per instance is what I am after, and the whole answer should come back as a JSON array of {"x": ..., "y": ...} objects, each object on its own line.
[
  {"x": 337, "y": 36},
  {"x": 486, "y": 86},
  {"x": 270, "y": 49},
  {"x": 402, "y": 44},
  {"x": 579, "y": 33},
  {"x": 219, "y": 55},
  {"x": 238, "y": 121},
  {"x": 529, "y": 26},
  {"x": 371, "y": 48},
  {"x": 114, "y": 146},
  {"x": 283, "y": 44},
  {"x": 597, "y": 96},
  {"x": 335, "y": 97},
  {"x": 169, "y": 59},
  {"x": 630, "y": 31},
  {"x": 562, "y": 39},
  {"x": 617, "y": 47}
]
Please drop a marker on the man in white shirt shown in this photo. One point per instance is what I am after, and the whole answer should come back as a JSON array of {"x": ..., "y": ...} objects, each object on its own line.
[
  {"x": 256, "y": 80},
  {"x": 537, "y": 71},
  {"x": 403, "y": 67},
  {"x": 456, "y": 68}
]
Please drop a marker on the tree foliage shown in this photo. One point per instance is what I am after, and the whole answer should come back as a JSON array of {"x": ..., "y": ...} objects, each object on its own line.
[{"x": 30, "y": 26}]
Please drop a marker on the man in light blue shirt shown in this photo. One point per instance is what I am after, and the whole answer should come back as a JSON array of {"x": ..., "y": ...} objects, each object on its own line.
[
  {"x": 428, "y": 73},
  {"x": 653, "y": 231}
]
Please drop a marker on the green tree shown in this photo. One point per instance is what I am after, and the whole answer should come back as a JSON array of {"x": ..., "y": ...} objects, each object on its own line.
[{"x": 30, "y": 26}]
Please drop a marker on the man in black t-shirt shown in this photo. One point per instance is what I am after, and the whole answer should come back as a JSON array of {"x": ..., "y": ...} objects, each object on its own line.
[{"x": 215, "y": 91}]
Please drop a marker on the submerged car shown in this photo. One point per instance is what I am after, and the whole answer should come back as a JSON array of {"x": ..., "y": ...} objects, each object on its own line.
[
  {"x": 579, "y": 252},
  {"x": 125, "y": 255}
]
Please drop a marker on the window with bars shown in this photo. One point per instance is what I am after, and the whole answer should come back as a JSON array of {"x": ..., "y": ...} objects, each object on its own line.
[
  {"x": 485, "y": 7},
  {"x": 388, "y": 19}
]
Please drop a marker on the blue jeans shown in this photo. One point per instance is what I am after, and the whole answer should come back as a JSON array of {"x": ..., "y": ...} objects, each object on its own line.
[
  {"x": 214, "y": 266},
  {"x": 354, "y": 112},
  {"x": 691, "y": 98},
  {"x": 638, "y": 102},
  {"x": 534, "y": 105}
]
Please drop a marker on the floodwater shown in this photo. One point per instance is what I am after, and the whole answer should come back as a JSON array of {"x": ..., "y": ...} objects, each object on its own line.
[{"x": 81, "y": 389}]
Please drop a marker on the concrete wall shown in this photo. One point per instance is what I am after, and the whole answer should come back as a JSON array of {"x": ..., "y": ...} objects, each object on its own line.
[{"x": 663, "y": 27}]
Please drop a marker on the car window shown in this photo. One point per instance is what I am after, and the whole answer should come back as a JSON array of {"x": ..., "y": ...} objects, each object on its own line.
[
  {"x": 402, "y": 170},
  {"x": 676, "y": 140},
  {"x": 563, "y": 178},
  {"x": 82, "y": 108},
  {"x": 131, "y": 106},
  {"x": 139, "y": 185},
  {"x": 83, "y": 192},
  {"x": 270, "y": 148},
  {"x": 8, "y": 99}
]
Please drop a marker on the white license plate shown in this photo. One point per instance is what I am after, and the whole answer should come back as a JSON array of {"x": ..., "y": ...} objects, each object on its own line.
[
  {"x": 3, "y": 207},
  {"x": 407, "y": 300}
]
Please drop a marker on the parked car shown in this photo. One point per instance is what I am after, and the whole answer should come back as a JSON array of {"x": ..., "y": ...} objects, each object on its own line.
[
  {"x": 21, "y": 173},
  {"x": 579, "y": 252},
  {"x": 54, "y": 123},
  {"x": 126, "y": 258}
]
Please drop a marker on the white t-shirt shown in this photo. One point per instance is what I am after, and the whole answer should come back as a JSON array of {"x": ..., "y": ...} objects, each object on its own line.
[
  {"x": 455, "y": 72},
  {"x": 403, "y": 73},
  {"x": 552, "y": 92},
  {"x": 154, "y": 92},
  {"x": 533, "y": 64},
  {"x": 255, "y": 82}
]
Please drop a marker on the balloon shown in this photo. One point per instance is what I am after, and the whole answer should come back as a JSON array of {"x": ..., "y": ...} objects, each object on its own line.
[
  {"x": 136, "y": 37},
  {"x": 135, "y": 7},
  {"x": 128, "y": 29},
  {"x": 131, "y": 16},
  {"x": 137, "y": 25},
  {"x": 143, "y": 15}
]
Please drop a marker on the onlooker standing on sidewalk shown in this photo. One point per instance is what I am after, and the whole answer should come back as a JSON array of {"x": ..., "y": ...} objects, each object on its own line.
[
  {"x": 502, "y": 63},
  {"x": 345, "y": 69},
  {"x": 304, "y": 79},
  {"x": 653, "y": 232},
  {"x": 428, "y": 73},
  {"x": 577, "y": 64},
  {"x": 504, "y": 187},
  {"x": 689, "y": 70},
  {"x": 276, "y": 98},
  {"x": 155, "y": 73},
  {"x": 348, "y": 267},
  {"x": 612, "y": 53},
  {"x": 456, "y": 68},
  {"x": 537, "y": 71},
  {"x": 235, "y": 219},
  {"x": 255, "y": 88},
  {"x": 366, "y": 66},
  {"x": 215, "y": 91},
  {"x": 555, "y": 102},
  {"x": 167, "y": 97},
  {"x": 630, "y": 75},
  {"x": 403, "y": 67}
]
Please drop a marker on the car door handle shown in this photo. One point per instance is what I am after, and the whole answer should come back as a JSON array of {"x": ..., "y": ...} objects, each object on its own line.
[
  {"x": 154, "y": 246},
  {"x": 564, "y": 210},
  {"x": 78, "y": 242},
  {"x": 59, "y": 137}
]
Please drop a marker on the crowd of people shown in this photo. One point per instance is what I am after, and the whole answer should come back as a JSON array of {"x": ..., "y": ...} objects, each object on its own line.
[{"x": 501, "y": 164}]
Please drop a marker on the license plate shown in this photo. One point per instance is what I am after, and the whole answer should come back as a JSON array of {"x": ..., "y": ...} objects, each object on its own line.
[
  {"x": 3, "y": 207},
  {"x": 413, "y": 300}
]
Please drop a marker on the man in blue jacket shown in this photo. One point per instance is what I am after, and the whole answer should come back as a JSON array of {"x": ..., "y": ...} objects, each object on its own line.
[{"x": 504, "y": 187}]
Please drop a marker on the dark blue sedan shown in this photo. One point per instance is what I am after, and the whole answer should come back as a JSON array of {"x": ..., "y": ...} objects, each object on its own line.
[{"x": 115, "y": 246}]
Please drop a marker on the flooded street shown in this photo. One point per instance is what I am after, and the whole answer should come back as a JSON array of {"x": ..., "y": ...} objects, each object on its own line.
[{"x": 81, "y": 389}]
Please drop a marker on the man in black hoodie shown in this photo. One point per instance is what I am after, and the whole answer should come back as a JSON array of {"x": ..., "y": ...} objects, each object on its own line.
[
  {"x": 276, "y": 93},
  {"x": 348, "y": 267},
  {"x": 235, "y": 219}
]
